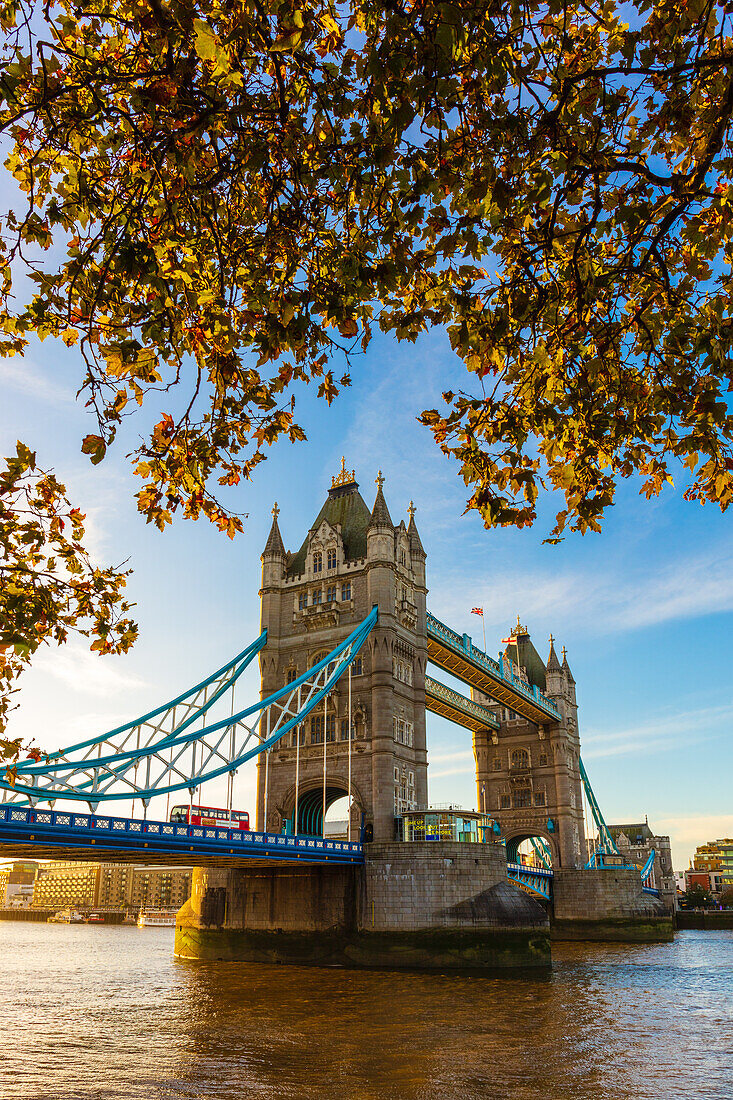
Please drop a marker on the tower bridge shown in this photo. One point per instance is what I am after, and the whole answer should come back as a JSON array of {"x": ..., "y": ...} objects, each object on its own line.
[{"x": 344, "y": 651}]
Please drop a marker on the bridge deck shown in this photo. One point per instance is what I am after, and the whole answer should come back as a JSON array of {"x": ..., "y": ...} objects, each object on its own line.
[
  {"x": 458, "y": 655},
  {"x": 49, "y": 834},
  {"x": 457, "y": 708}
]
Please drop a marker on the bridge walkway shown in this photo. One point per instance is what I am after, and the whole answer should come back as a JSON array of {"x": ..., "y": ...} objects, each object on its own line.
[{"x": 456, "y": 653}]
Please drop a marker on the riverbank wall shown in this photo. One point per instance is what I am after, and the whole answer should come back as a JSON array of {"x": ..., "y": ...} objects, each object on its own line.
[
  {"x": 704, "y": 921},
  {"x": 419, "y": 906},
  {"x": 607, "y": 905}
]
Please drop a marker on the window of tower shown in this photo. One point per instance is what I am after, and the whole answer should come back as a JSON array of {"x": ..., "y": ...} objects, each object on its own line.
[
  {"x": 522, "y": 797},
  {"x": 505, "y": 802},
  {"x": 539, "y": 798},
  {"x": 357, "y": 667},
  {"x": 331, "y": 559},
  {"x": 519, "y": 759},
  {"x": 292, "y": 675},
  {"x": 543, "y": 759},
  {"x": 403, "y": 557},
  {"x": 302, "y": 601},
  {"x": 346, "y": 591},
  {"x": 331, "y": 594},
  {"x": 496, "y": 764},
  {"x": 317, "y": 596},
  {"x": 317, "y": 562}
]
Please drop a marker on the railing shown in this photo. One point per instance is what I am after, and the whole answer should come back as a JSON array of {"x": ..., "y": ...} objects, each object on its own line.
[
  {"x": 535, "y": 879},
  {"x": 464, "y": 644},
  {"x": 165, "y": 834},
  {"x": 460, "y": 702}
]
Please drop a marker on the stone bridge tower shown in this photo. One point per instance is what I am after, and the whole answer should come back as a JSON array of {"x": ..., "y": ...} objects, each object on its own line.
[
  {"x": 528, "y": 775},
  {"x": 350, "y": 560}
]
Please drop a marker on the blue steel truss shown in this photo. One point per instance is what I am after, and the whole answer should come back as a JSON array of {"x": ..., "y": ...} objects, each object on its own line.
[
  {"x": 533, "y": 880},
  {"x": 162, "y": 752},
  {"x": 607, "y": 843}
]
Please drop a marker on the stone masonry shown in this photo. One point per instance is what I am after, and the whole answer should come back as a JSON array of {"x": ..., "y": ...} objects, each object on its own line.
[
  {"x": 350, "y": 560},
  {"x": 528, "y": 775}
]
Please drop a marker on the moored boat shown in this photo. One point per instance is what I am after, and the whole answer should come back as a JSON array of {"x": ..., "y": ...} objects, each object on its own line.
[{"x": 156, "y": 918}]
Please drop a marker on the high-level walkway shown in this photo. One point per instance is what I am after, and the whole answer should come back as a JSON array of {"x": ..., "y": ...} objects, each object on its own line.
[{"x": 456, "y": 653}]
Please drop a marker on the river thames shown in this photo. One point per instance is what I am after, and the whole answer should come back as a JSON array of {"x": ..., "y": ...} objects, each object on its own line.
[{"x": 95, "y": 1012}]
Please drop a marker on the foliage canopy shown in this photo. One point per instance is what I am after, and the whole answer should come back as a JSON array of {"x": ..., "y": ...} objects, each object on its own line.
[
  {"x": 225, "y": 196},
  {"x": 48, "y": 583}
]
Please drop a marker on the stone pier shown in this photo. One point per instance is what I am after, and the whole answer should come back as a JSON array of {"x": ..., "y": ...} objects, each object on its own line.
[
  {"x": 607, "y": 904},
  {"x": 423, "y": 906}
]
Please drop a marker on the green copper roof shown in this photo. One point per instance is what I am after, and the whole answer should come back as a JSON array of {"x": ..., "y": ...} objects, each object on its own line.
[
  {"x": 529, "y": 659},
  {"x": 344, "y": 505}
]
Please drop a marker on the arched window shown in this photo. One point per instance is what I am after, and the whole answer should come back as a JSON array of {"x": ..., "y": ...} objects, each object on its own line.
[
  {"x": 332, "y": 558},
  {"x": 520, "y": 759},
  {"x": 317, "y": 561}
]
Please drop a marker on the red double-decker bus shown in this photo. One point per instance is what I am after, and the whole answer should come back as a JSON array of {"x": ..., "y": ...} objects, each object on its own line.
[{"x": 210, "y": 815}]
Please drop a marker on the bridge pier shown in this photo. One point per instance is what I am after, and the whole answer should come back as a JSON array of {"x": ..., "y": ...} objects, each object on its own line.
[
  {"x": 423, "y": 906},
  {"x": 607, "y": 904}
]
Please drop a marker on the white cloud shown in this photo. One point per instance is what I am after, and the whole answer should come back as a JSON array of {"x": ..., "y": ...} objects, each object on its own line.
[
  {"x": 86, "y": 673},
  {"x": 687, "y": 831},
  {"x": 683, "y": 589},
  {"x": 24, "y": 376},
  {"x": 663, "y": 732}
]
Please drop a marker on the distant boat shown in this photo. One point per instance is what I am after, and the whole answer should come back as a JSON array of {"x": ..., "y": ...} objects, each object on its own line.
[
  {"x": 67, "y": 916},
  {"x": 156, "y": 918},
  {"x": 96, "y": 918}
]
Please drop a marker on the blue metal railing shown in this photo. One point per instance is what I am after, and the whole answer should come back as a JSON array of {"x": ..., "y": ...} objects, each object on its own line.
[
  {"x": 66, "y": 829},
  {"x": 460, "y": 702},
  {"x": 537, "y": 879},
  {"x": 464, "y": 645}
]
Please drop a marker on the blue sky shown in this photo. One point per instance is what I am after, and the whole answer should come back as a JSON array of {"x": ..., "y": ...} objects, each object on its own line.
[{"x": 645, "y": 609}]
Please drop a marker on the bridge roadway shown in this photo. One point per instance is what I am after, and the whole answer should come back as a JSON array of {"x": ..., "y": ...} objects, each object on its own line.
[
  {"x": 65, "y": 834},
  {"x": 456, "y": 653},
  {"x": 457, "y": 708}
]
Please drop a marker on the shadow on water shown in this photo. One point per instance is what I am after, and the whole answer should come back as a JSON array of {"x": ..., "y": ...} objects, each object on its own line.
[{"x": 99, "y": 1013}]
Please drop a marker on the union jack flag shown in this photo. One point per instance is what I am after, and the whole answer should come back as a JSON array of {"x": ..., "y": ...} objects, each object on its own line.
[{"x": 477, "y": 610}]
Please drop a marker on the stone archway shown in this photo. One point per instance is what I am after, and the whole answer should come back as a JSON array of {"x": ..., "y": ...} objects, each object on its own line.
[
  {"x": 310, "y": 805},
  {"x": 548, "y": 842}
]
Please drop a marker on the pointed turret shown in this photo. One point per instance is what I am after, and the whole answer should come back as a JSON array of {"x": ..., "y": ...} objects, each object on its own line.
[
  {"x": 566, "y": 666},
  {"x": 553, "y": 665},
  {"x": 274, "y": 547},
  {"x": 380, "y": 516},
  {"x": 416, "y": 547}
]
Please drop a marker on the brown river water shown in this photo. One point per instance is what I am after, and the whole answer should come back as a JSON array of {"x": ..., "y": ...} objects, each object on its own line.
[{"x": 91, "y": 1013}]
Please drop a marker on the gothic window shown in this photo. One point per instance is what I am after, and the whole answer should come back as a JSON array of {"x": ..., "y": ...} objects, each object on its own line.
[
  {"x": 403, "y": 557},
  {"x": 539, "y": 798},
  {"x": 331, "y": 559},
  {"x": 346, "y": 591},
  {"x": 496, "y": 764},
  {"x": 317, "y": 596},
  {"x": 331, "y": 594},
  {"x": 520, "y": 758},
  {"x": 505, "y": 802},
  {"x": 302, "y": 601},
  {"x": 345, "y": 729},
  {"x": 292, "y": 675},
  {"x": 522, "y": 797},
  {"x": 402, "y": 731},
  {"x": 543, "y": 759},
  {"x": 402, "y": 670},
  {"x": 317, "y": 562},
  {"x": 357, "y": 667},
  {"x": 317, "y": 729}
]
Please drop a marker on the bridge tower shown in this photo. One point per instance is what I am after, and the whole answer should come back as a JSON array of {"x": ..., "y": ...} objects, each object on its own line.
[
  {"x": 350, "y": 560},
  {"x": 528, "y": 775}
]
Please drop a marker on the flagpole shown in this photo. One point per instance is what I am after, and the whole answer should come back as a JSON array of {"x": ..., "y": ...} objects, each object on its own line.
[{"x": 483, "y": 625}]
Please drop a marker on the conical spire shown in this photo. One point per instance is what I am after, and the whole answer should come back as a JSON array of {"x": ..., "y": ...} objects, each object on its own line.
[
  {"x": 553, "y": 665},
  {"x": 415, "y": 544},
  {"x": 566, "y": 666},
  {"x": 274, "y": 545},
  {"x": 380, "y": 516}
]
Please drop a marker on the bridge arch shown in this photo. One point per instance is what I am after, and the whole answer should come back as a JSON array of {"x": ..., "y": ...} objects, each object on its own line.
[
  {"x": 310, "y": 803},
  {"x": 515, "y": 840}
]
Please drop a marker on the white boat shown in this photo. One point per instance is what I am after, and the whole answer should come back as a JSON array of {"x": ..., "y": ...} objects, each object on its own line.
[
  {"x": 156, "y": 918},
  {"x": 67, "y": 916}
]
